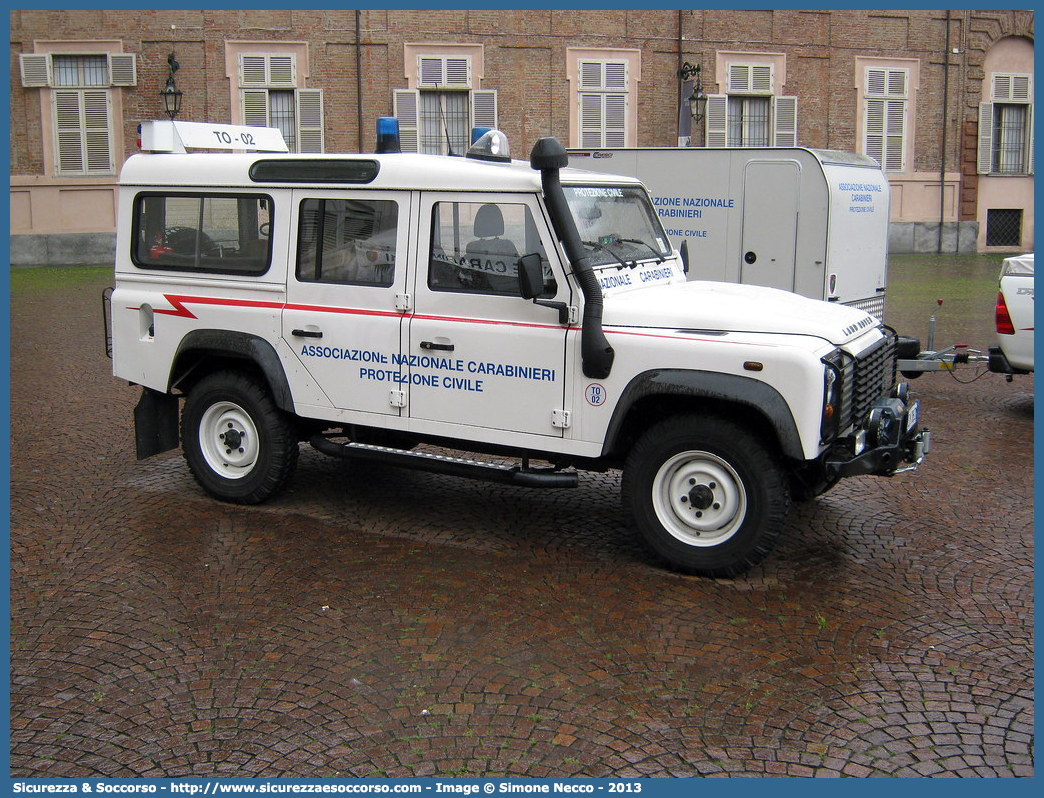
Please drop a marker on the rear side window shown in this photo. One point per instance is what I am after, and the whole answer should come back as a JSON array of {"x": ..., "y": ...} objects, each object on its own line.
[
  {"x": 218, "y": 233},
  {"x": 347, "y": 241}
]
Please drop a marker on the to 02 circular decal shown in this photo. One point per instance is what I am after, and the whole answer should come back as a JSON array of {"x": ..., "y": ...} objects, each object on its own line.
[{"x": 595, "y": 394}]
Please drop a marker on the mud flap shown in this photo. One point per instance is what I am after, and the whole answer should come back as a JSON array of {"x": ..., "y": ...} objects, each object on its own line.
[{"x": 155, "y": 423}]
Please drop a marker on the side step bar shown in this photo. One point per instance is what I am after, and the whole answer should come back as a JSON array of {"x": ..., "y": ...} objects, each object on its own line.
[{"x": 452, "y": 466}]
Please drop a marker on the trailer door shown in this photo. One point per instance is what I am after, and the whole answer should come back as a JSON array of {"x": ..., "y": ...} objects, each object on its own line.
[{"x": 771, "y": 195}]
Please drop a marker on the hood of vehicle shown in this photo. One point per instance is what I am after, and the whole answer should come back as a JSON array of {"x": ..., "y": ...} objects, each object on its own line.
[{"x": 728, "y": 307}]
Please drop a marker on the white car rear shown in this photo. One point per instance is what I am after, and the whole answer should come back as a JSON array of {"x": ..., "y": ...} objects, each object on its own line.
[{"x": 1014, "y": 316}]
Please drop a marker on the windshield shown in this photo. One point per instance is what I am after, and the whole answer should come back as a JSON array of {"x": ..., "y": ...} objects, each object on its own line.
[{"x": 617, "y": 224}]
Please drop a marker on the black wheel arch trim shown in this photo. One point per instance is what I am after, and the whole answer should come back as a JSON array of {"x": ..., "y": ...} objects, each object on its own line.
[
  {"x": 244, "y": 346},
  {"x": 751, "y": 393}
]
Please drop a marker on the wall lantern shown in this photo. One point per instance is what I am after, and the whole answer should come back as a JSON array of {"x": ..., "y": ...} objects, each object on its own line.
[
  {"x": 698, "y": 99},
  {"x": 170, "y": 93}
]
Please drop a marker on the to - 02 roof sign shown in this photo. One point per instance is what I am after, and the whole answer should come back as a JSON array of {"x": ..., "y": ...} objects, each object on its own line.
[{"x": 166, "y": 136}]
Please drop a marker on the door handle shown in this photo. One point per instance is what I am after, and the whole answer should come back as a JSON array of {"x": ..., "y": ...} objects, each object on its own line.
[
  {"x": 438, "y": 346},
  {"x": 307, "y": 333}
]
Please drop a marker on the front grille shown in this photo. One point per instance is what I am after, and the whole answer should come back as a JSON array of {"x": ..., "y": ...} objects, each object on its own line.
[{"x": 865, "y": 378}]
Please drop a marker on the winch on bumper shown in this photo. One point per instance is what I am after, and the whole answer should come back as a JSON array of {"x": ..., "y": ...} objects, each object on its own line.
[{"x": 886, "y": 442}]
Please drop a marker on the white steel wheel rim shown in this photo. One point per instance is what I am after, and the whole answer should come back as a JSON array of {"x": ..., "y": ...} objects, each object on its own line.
[
  {"x": 699, "y": 498},
  {"x": 228, "y": 440}
]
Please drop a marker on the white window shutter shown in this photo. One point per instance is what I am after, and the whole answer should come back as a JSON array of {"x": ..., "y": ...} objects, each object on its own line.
[
  {"x": 590, "y": 75},
  {"x": 616, "y": 75},
  {"x": 68, "y": 132},
  {"x": 784, "y": 115},
  {"x": 253, "y": 70},
  {"x": 874, "y": 134},
  {"x": 406, "y": 108},
  {"x": 739, "y": 79},
  {"x": 885, "y": 140},
  {"x": 458, "y": 73},
  {"x": 441, "y": 72},
  {"x": 885, "y": 123},
  {"x": 885, "y": 133},
  {"x": 761, "y": 79},
  {"x": 897, "y": 83},
  {"x": 591, "y": 116},
  {"x": 750, "y": 79},
  {"x": 1011, "y": 88},
  {"x": 97, "y": 136},
  {"x": 895, "y": 133},
  {"x": 282, "y": 71},
  {"x": 36, "y": 70},
  {"x": 603, "y": 103},
  {"x": 717, "y": 120},
  {"x": 268, "y": 70},
  {"x": 1021, "y": 88},
  {"x": 484, "y": 108},
  {"x": 603, "y": 76},
  {"x": 876, "y": 82},
  {"x": 123, "y": 69},
  {"x": 255, "y": 107},
  {"x": 881, "y": 82},
  {"x": 310, "y": 120},
  {"x": 615, "y": 120},
  {"x": 1029, "y": 160},
  {"x": 430, "y": 70},
  {"x": 1001, "y": 88},
  {"x": 984, "y": 162}
]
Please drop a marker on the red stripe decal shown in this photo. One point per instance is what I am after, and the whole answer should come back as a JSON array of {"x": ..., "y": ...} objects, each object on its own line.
[{"x": 179, "y": 302}]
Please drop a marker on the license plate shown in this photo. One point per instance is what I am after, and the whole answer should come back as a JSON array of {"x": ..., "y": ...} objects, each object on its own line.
[{"x": 911, "y": 415}]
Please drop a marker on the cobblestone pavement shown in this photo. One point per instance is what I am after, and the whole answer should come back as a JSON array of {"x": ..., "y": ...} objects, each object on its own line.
[{"x": 379, "y": 622}]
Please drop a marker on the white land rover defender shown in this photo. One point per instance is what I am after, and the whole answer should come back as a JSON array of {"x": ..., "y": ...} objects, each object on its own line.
[{"x": 368, "y": 304}]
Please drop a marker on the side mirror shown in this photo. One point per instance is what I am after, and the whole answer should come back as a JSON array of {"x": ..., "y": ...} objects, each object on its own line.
[
  {"x": 531, "y": 285},
  {"x": 530, "y": 276},
  {"x": 685, "y": 255}
]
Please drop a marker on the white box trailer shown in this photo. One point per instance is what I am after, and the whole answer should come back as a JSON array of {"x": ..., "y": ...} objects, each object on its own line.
[{"x": 814, "y": 222}]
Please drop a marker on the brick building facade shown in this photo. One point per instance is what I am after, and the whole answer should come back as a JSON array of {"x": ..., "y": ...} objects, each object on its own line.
[{"x": 943, "y": 99}]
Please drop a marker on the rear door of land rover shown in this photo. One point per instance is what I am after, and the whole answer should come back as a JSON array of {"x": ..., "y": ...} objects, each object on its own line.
[{"x": 346, "y": 295}]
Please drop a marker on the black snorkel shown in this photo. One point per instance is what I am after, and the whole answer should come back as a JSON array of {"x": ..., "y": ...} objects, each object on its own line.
[{"x": 596, "y": 354}]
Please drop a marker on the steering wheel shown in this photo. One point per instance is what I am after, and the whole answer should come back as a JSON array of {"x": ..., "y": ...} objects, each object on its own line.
[{"x": 183, "y": 241}]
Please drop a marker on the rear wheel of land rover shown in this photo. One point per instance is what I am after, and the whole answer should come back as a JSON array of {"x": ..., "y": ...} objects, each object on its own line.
[
  {"x": 706, "y": 495},
  {"x": 239, "y": 446}
]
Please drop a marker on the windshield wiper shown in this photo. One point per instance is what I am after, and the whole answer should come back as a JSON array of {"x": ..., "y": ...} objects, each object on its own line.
[
  {"x": 657, "y": 255},
  {"x": 605, "y": 248}
]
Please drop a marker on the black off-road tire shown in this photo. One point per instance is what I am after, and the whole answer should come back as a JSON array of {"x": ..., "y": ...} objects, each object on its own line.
[
  {"x": 240, "y": 447},
  {"x": 706, "y": 495}
]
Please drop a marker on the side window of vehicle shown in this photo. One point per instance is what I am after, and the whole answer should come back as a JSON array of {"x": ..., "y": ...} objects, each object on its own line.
[
  {"x": 220, "y": 233},
  {"x": 347, "y": 241},
  {"x": 476, "y": 246}
]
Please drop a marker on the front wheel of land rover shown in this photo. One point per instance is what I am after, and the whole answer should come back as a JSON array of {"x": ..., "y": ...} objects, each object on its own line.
[
  {"x": 239, "y": 446},
  {"x": 706, "y": 495}
]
